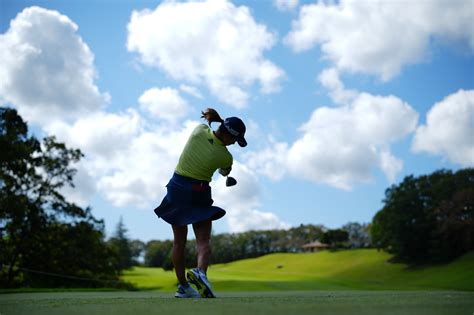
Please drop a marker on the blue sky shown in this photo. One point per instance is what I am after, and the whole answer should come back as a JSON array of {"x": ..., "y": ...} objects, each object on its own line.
[{"x": 341, "y": 99}]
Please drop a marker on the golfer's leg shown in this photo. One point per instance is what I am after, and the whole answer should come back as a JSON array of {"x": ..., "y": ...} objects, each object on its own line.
[
  {"x": 202, "y": 231},
  {"x": 179, "y": 244}
]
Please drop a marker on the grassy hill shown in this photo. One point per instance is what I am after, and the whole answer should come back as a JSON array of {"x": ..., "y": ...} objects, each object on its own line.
[{"x": 365, "y": 269}]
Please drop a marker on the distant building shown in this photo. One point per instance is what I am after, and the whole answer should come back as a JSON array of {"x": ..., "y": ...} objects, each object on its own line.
[{"x": 314, "y": 246}]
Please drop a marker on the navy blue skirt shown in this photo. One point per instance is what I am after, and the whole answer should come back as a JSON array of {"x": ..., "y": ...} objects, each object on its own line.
[{"x": 188, "y": 201}]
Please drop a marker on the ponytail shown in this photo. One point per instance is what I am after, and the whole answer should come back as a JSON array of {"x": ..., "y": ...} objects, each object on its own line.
[{"x": 211, "y": 115}]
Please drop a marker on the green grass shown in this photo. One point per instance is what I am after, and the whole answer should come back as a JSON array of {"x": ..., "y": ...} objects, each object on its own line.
[
  {"x": 241, "y": 303},
  {"x": 364, "y": 269},
  {"x": 345, "y": 282}
]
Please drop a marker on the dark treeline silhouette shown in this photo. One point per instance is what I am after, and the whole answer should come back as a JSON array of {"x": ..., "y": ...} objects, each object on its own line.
[
  {"x": 45, "y": 240},
  {"x": 427, "y": 219}
]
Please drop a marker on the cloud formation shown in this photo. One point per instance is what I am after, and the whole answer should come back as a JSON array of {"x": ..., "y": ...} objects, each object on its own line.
[
  {"x": 380, "y": 37},
  {"x": 242, "y": 202},
  {"x": 341, "y": 146},
  {"x": 191, "y": 90},
  {"x": 164, "y": 103},
  {"x": 211, "y": 43},
  {"x": 449, "y": 129},
  {"x": 130, "y": 161},
  {"x": 47, "y": 70}
]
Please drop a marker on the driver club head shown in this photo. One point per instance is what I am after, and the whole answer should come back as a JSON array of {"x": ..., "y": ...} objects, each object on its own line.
[{"x": 230, "y": 181}]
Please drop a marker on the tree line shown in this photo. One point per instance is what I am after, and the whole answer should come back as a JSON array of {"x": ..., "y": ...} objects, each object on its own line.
[{"x": 227, "y": 247}]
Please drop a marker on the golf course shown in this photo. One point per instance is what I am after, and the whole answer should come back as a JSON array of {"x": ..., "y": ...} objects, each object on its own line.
[{"x": 342, "y": 282}]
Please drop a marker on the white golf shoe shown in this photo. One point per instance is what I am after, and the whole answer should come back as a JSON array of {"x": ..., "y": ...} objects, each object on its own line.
[
  {"x": 198, "y": 277},
  {"x": 186, "y": 291}
]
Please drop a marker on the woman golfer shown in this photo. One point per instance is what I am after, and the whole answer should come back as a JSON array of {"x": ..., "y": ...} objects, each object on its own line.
[{"x": 188, "y": 199}]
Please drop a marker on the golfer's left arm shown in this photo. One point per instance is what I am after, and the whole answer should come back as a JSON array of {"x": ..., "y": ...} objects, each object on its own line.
[{"x": 226, "y": 166}]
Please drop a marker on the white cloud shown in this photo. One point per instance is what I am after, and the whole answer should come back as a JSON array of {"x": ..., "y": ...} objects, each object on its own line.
[
  {"x": 140, "y": 175},
  {"x": 211, "y": 43},
  {"x": 270, "y": 161},
  {"x": 285, "y": 5},
  {"x": 245, "y": 219},
  {"x": 100, "y": 135},
  {"x": 164, "y": 103},
  {"x": 84, "y": 187},
  {"x": 449, "y": 129},
  {"x": 191, "y": 90},
  {"x": 130, "y": 159},
  {"x": 329, "y": 78},
  {"x": 340, "y": 146},
  {"x": 242, "y": 202},
  {"x": 47, "y": 70},
  {"x": 390, "y": 165},
  {"x": 380, "y": 37}
]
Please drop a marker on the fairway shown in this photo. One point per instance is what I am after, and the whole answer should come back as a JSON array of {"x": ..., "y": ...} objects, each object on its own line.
[
  {"x": 363, "y": 269},
  {"x": 347, "y": 282},
  {"x": 245, "y": 303}
]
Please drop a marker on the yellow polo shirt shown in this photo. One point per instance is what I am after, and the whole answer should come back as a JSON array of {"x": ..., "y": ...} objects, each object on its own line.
[{"x": 203, "y": 154}]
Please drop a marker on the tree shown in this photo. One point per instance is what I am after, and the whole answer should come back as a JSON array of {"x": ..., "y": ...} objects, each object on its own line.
[
  {"x": 121, "y": 244},
  {"x": 425, "y": 218},
  {"x": 358, "y": 235},
  {"x": 157, "y": 253},
  {"x": 336, "y": 238},
  {"x": 455, "y": 225},
  {"x": 76, "y": 250},
  {"x": 137, "y": 247},
  {"x": 38, "y": 227}
]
